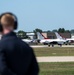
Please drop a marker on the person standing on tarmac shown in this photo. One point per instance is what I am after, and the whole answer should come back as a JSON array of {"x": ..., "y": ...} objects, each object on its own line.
[{"x": 16, "y": 57}]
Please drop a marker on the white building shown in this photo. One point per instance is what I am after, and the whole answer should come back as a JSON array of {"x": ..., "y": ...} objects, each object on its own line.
[
  {"x": 31, "y": 35},
  {"x": 72, "y": 35}
]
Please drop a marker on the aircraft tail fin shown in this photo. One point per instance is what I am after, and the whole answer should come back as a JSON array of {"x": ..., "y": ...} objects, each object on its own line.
[
  {"x": 39, "y": 36},
  {"x": 58, "y": 36}
]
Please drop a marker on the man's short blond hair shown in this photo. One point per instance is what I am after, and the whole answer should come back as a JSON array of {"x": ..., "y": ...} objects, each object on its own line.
[{"x": 7, "y": 20}]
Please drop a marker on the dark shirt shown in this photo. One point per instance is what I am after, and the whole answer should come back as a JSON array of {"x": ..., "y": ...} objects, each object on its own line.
[{"x": 16, "y": 57}]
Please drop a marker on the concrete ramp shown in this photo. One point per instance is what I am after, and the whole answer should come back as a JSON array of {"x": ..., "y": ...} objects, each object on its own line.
[{"x": 56, "y": 59}]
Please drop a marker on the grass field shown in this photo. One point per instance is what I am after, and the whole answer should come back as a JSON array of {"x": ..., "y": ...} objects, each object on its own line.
[
  {"x": 56, "y": 68},
  {"x": 56, "y": 51},
  {"x": 64, "y": 68}
]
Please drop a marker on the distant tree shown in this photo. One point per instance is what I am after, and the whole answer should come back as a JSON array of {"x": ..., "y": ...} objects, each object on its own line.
[
  {"x": 61, "y": 30},
  {"x": 72, "y": 31},
  {"x": 67, "y": 31},
  {"x": 22, "y": 34},
  {"x": 37, "y": 30},
  {"x": 55, "y": 30},
  {"x": 48, "y": 31}
]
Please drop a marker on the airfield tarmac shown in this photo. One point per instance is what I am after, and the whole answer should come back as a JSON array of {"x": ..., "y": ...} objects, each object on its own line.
[
  {"x": 54, "y": 58},
  {"x": 40, "y": 46}
]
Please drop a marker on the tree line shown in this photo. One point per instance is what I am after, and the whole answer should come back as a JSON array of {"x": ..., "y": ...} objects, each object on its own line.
[
  {"x": 60, "y": 30},
  {"x": 22, "y": 34}
]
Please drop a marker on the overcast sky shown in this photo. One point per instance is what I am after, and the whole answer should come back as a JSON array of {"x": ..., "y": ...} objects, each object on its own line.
[{"x": 43, "y": 14}]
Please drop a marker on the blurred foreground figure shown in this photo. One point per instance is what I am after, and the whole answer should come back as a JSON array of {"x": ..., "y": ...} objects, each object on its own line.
[{"x": 16, "y": 57}]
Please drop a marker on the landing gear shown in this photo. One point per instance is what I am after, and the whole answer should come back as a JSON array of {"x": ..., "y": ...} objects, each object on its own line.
[
  {"x": 60, "y": 45},
  {"x": 50, "y": 45}
]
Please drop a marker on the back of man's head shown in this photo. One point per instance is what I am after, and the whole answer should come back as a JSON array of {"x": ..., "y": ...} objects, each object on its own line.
[{"x": 7, "y": 21}]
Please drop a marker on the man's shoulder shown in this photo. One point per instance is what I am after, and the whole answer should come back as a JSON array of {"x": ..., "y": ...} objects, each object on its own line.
[
  {"x": 3, "y": 41},
  {"x": 18, "y": 42},
  {"x": 25, "y": 44},
  {"x": 2, "y": 44}
]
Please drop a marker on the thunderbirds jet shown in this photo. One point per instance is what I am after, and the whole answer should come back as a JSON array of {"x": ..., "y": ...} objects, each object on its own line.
[{"x": 45, "y": 40}]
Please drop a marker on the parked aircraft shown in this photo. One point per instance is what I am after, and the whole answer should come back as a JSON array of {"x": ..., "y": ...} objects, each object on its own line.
[
  {"x": 45, "y": 40},
  {"x": 69, "y": 40}
]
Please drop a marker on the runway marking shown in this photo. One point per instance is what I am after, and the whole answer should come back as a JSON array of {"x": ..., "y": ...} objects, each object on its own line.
[{"x": 56, "y": 59}]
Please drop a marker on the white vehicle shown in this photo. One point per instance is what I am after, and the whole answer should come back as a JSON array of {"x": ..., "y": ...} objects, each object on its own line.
[
  {"x": 27, "y": 40},
  {"x": 30, "y": 42},
  {"x": 44, "y": 40}
]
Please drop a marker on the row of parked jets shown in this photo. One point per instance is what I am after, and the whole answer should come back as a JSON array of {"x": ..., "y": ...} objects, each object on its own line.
[{"x": 59, "y": 40}]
